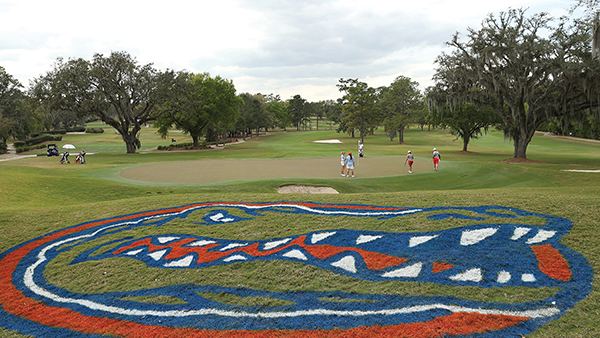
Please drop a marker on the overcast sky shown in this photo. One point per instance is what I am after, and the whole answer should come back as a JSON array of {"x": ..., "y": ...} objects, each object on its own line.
[{"x": 285, "y": 47}]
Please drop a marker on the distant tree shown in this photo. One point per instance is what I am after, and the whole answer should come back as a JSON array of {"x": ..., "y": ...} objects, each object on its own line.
[
  {"x": 468, "y": 122},
  {"x": 318, "y": 111},
  {"x": 205, "y": 102},
  {"x": 400, "y": 103},
  {"x": 264, "y": 119},
  {"x": 137, "y": 94},
  {"x": 11, "y": 100},
  {"x": 298, "y": 110},
  {"x": 359, "y": 106},
  {"x": 250, "y": 112},
  {"x": 311, "y": 109},
  {"x": 279, "y": 111},
  {"x": 331, "y": 110}
]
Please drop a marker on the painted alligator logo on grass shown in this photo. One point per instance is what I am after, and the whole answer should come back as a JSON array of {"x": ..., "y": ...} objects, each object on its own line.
[{"x": 482, "y": 255}]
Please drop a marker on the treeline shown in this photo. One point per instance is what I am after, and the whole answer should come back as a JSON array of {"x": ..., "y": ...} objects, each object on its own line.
[
  {"x": 126, "y": 95},
  {"x": 519, "y": 73}
]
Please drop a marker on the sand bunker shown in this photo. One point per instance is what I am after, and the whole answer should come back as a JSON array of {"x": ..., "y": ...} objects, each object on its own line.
[
  {"x": 305, "y": 189},
  {"x": 328, "y": 141},
  {"x": 582, "y": 171}
]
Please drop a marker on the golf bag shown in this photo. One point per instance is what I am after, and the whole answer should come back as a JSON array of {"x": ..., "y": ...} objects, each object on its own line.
[
  {"x": 80, "y": 158},
  {"x": 65, "y": 158}
]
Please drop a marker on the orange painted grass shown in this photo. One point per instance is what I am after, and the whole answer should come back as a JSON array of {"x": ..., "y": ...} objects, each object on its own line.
[{"x": 551, "y": 262}]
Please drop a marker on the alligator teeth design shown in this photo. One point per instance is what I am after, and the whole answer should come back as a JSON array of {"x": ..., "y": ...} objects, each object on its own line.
[
  {"x": 361, "y": 258},
  {"x": 485, "y": 255}
]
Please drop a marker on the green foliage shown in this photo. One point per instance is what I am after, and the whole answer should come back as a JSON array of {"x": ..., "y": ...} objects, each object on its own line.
[
  {"x": 12, "y": 117},
  {"x": 40, "y": 139},
  {"x": 466, "y": 121},
  {"x": 400, "y": 103},
  {"x": 50, "y": 132},
  {"x": 487, "y": 69},
  {"x": 22, "y": 149},
  {"x": 298, "y": 109},
  {"x": 78, "y": 129},
  {"x": 3, "y": 148},
  {"x": 134, "y": 93},
  {"x": 203, "y": 103},
  {"x": 252, "y": 115},
  {"x": 359, "y": 107},
  {"x": 94, "y": 130},
  {"x": 280, "y": 112}
]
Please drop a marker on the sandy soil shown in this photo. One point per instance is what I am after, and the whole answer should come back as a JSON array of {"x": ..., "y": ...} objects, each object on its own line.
[{"x": 305, "y": 189}]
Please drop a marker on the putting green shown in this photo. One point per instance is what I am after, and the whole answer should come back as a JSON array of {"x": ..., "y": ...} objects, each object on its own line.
[{"x": 212, "y": 171}]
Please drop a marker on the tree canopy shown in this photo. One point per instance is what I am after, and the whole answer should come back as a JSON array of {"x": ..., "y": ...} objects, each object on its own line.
[
  {"x": 136, "y": 93},
  {"x": 527, "y": 75},
  {"x": 359, "y": 106},
  {"x": 205, "y": 101},
  {"x": 11, "y": 97},
  {"x": 400, "y": 102}
]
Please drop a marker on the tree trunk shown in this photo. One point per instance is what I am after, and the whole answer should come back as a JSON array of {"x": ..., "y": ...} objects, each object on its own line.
[
  {"x": 195, "y": 141},
  {"x": 401, "y": 135},
  {"x": 520, "y": 143},
  {"x": 130, "y": 137},
  {"x": 131, "y": 143},
  {"x": 465, "y": 143}
]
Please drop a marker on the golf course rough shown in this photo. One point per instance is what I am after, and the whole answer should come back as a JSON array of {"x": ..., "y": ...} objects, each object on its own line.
[{"x": 506, "y": 254}]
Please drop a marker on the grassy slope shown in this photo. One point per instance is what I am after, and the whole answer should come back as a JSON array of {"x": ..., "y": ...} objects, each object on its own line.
[{"x": 37, "y": 195}]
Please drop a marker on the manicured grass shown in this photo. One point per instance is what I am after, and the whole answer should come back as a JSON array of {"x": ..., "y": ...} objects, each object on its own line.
[{"x": 39, "y": 196}]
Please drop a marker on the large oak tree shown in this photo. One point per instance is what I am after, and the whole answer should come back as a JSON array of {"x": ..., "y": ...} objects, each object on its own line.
[
  {"x": 117, "y": 83},
  {"x": 523, "y": 67}
]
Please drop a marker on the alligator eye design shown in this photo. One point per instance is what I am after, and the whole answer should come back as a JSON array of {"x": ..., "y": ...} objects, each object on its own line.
[{"x": 494, "y": 248}]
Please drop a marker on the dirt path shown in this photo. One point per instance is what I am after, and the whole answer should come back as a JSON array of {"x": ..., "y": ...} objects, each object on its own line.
[
  {"x": 212, "y": 171},
  {"x": 12, "y": 154}
]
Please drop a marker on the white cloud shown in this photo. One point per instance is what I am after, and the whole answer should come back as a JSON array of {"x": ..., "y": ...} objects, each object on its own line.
[{"x": 283, "y": 47}]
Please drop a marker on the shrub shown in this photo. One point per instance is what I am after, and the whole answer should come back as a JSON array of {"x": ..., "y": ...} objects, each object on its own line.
[
  {"x": 23, "y": 149},
  {"x": 49, "y": 132},
  {"x": 40, "y": 139},
  {"x": 78, "y": 129},
  {"x": 20, "y": 144},
  {"x": 3, "y": 148},
  {"x": 94, "y": 130},
  {"x": 186, "y": 146}
]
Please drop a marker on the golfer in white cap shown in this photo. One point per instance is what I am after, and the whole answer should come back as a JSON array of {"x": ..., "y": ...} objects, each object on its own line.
[
  {"x": 410, "y": 159},
  {"x": 436, "y": 159}
]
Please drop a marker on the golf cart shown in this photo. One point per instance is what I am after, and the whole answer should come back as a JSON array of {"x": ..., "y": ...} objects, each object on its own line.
[{"x": 52, "y": 150}]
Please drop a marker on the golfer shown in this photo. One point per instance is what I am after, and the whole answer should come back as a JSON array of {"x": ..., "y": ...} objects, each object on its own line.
[
  {"x": 436, "y": 159},
  {"x": 361, "y": 147},
  {"x": 349, "y": 165},
  {"x": 410, "y": 159},
  {"x": 343, "y": 162}
]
